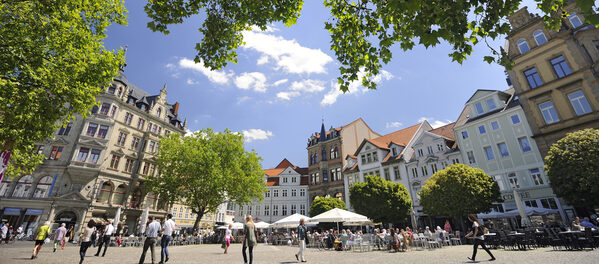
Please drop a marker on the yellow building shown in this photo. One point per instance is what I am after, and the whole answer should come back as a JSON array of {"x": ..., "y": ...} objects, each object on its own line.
[
  {"x": 184, "y": 217},
  {"x": 555, "y": 74}
]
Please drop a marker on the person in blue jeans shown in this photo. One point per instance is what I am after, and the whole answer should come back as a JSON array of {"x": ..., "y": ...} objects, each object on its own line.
[{"x": 167, "y": 233}]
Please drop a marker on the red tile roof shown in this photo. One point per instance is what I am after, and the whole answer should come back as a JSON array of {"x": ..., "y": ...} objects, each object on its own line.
[
  {"x": 272, "y": 181},
  {"x": 445, "y": 131},
  {"x": 273, "y": 172},
  {"x": 401, "y": 137},
  {"x": 304, "y": 180},
  {"x": 284, "y": 164}
]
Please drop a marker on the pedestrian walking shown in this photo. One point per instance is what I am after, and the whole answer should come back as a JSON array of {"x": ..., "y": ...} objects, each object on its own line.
[
  {"x": 228, "y": 237},
  {"x": 40, "y": 237},
  {"x": 4, "y": 232},
  {"x": 85, "y": 239},
  {"x": 301, "y": 236},
  {"x": 167, "y": 234},
  {"x": 105, "y": 241},
  {"x": 59, "y": 237},
  {"x": 151, "y": 236},
  {"x": 477, "y": 234},
  {"x": 249, "y": 238},
  {"x": 69, "y": 235}
]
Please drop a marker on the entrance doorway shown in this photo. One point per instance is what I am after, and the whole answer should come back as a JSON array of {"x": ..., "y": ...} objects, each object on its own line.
[{"x": 67, "y": 217}]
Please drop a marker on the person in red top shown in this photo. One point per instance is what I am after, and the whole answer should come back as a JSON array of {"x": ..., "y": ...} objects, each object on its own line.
[{"x": 447, "y": 226}]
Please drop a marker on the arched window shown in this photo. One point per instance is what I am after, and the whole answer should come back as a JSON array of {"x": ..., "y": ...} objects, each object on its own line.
[
  {"x": 159, "y": 111},
  {"x": 5, "y": 186},
  {"x": 575, "y": 20},
  {"x": 23, "y": 186},
  {"x": 150, "y": 200},
  {"x": 105, "y": 193},
  {"x": 119, "y": 91},
  {"x": 119, "y": 194},
  {"x": 523, "y": 46},
  {"x": 336, "y": 152},
  {"x": 332, "y": 153},
  {"x": 324, "y": 154},
  {"x": 540, "y": 37},
  {"x": 43, "y": 187}
]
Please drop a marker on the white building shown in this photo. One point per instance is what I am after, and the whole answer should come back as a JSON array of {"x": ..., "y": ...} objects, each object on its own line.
[
  {"x": 494, "y": 135},
  {"x": 287, "y": 194}
]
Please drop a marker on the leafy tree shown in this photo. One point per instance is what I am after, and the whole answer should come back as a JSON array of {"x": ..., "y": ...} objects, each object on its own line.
[
  {"x": 458, "y": 191},
  {"x": 572, "y": 166},
  {"x": 322, "y": 204},
  {"x": 362, "y": 32},
  {"x": 204, "y": 170},
  {"x": 53, "y": 65},
  {"x": 381, "y": 200}
]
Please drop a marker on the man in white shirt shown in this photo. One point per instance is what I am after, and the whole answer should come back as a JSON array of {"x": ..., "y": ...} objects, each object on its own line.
[
  {"x": 108, "y": 231},
  {"x": 167, "y": 228},
  {"x": 151, "y": 236},
  {"x": 4, "y": 232}
]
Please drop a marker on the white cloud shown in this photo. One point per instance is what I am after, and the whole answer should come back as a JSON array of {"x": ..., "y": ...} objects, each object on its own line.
[
  {"x": 262, "y": 60},
  {"x": 354, "y": 87},
  {"x": 242, "y": 99},
  {"x": 256, "y": 134},
  {"x": 219, "y": 77},
  {"x": 434, "y": 122},
  {"x": 307, "y": 86},
  {"x": 191, "y": 82},
  {"x": 170, "y": 66},
  {"x": 251, "y": 80},
  {"x": 393, "y": 124},
  {"x": 279, "y": 82},
  {"x": 286, "y": 54},
  {"x": 287, "y": 95}
]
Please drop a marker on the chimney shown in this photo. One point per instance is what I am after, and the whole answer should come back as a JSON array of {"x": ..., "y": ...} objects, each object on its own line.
[{"x": 176, "y": 108}]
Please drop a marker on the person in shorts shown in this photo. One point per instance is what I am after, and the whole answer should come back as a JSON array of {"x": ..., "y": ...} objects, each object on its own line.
[{"x": 41, "y": 235}]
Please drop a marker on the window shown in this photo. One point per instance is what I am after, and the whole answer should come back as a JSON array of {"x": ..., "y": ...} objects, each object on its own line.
[
  {"x": 119, "y": 195},
  {"x": 495, "y": 125},
  {"x": 275, "y": 193},
  {"x": 105, "y": 108},
  {"x": 42, "y": 190},
  {"x": 575, "y": 20},
  {"x": 548, "y": 112},
  {"x": 129, "y": 165},
  {"x": 375, "y": 156},
  {"x": 293, "y": 179},
  {"x": 579, "y": 103},
  {"x": 396, "y": 173},
  {"x": 152, "y": 145},
  {"x": 266, "y": 210},
  {"x": 159, "y": 111},
  {"x": 479, "y": 108},
  {"x": 471, "y": 159},
  {"x": 537, "y": 179},
  {"x": 284, "y": 194},
  {"x": 325, "y": 177},
  {"x": 531, "y": 203},
  {"x": 549, "y": 203},
  {"x": 420, "y": 153},
  {"x": 105, "y": 192},
  {"x": 515, "y": 119},
  {"x": 140, "y": 123},
  {"x": 393, "y": 151},
  {"x": 114, "y": 162},
  {"x": 338, "y": 174},
  {"x": 429, "y": 149},
  {"x": 363, "y": 157},
  {"x": 122, "y": 138},
  {"x": 284, "y": 210},
  {"x": 523, "y": 46},
  {"x": 491, "y": 104},
  {"x": 533, "y": 78},
  {"x": 560, "y": 67},
  {"x": 154, "y": 128},
  {"x": 440, "y": 147},
  {"x": 5, "y": 186},
  {"x": 464, "y": 134},
  {"x": 55, "y": 153},
  {"x": 482, "y": 130},
  {"x": 434, "y": 168},
  {"x": 414, "y": 172},
  {"x": 513, "y": 180},
  {"x": 91, "y": 129},
  {"x": 503, "y": 150},
  {"x": 23, "y": 186},
  {"x": 369, "y": 158},
  {"x": 444, "y": 164},
  {"x": 102, "y": 131},
  {"x": 284, "y": 179},
  {"x": 64, "y": 131},
  {"x": 113, "y": 110},
  {"x": 135, "y": 143},
  {"x": 540, "y": 37},
  {"x": 387, "y": 174},
  {"x": 267, "y": 194},
  {"x": 489, "y": 153},
  {"x": 83, "y": 152},
  {"x": 302, "y": 192},
  {"x": 424, "y": 170},
  {"x": 128, "y": 118},
  {"x": 293, "y": 209},
  {"x": 455, "y": 161},
  {"x": 144, "y": 170},
  {"x": 302, "y": 209},
  {"x": 94, "y": 155},
  {"x": 524, "y": 144}
]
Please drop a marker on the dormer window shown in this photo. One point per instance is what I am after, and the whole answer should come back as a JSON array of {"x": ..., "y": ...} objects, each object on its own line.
[
  {"x": 574, "y": 20},
  {"x": 159, "y": 112},
  {"x": 540, "y": 37},
  {"x": 394, "y": 151},
  {"x": 523, "y": 46},
  {"x": 479, "y": 108},
  {"x": 491, "y": 104}
]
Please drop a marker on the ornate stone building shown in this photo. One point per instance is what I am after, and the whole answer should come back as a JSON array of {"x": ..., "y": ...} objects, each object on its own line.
[
  {"x": 555, "y": 74},
  {"x": 97, "y": 164}
]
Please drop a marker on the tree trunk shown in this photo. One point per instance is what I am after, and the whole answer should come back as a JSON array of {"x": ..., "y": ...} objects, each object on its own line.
[{"x": 197, "y": 222}]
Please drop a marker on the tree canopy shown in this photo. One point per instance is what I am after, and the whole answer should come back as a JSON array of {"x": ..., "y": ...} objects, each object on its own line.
[
  {"x": 206, "y": 169},
  {"x": 572, "y": 166},
  {"x": 322, "y": 204},
  {"x": 362, "y": 31},
  {"x": 53, "y": 65},
  {"x": 457, "y": 191},
  {"x": 381, "y": 200}
]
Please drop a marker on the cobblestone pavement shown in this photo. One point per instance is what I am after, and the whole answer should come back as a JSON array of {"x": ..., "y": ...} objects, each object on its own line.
[{"x": 20, "y": 252}]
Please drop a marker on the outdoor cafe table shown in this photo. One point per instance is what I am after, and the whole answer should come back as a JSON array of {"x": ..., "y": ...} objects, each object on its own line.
[
  {"x": 518, "y": 239},
  {"x": 572, "y": 236}
]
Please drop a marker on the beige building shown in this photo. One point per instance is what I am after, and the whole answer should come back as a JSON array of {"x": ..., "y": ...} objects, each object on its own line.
[
  {"x": 185, "y": 218},
  {"x": 555, "y": 74},
  {"x": 326, "y": 161},
  {"x": 96, "y": 165}
]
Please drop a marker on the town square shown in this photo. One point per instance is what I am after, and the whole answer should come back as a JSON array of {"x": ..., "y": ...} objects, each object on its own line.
[{"x": 292, "y": 131}]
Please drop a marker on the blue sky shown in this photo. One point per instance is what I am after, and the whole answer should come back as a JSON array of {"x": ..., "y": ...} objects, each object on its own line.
[{"x": 283, "y": 84}]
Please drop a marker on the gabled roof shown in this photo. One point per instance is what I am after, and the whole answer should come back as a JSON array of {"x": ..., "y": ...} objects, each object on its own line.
[
  {"x": 284, "y": 164},
  {"x": 482, "y": 91},
  {"x": 273, "y": 172},
  {"x": 401, "y": 137},
  {"x": 445, "y": 131}
]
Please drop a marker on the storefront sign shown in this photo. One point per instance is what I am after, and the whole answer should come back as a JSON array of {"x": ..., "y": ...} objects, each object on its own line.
[
  {"x": 12, "y": 211},
  {"x": 65, "y": 219},
  {"x": 33, "y": 212}
]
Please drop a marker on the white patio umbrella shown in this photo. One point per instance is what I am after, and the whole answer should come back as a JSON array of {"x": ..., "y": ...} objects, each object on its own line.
[
  {"x": 290, "y": 221},
  {"x": 117, "y": 217},
  {"x": 237, "y": 225},
  {"x": 493, "y": 214},
  {"x": 261, "y": 225},
  {"x": 337, "y": 215},
  {"x": 144, "y": 220},
  {"x": 524, "y": 217}
]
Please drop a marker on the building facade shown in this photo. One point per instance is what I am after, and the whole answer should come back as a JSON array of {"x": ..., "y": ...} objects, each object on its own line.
[
  {"x": 287, "y": 193},
  {"x": 493, "y": 134},
  {"x": 555, "y": 74},
  {"x": 326, "y": 160},
  {"x": 185, "y": 218},
  {"x": 97, "y": 164}
]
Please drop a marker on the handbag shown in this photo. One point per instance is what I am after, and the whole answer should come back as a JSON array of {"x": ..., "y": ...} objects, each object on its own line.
[{"x": 47, "y": 240}]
